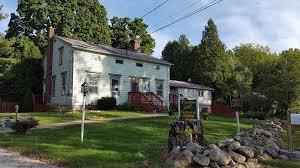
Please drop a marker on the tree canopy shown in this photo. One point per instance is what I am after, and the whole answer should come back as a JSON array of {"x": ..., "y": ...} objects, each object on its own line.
[
  {"x": 125, "y": 29},
  {"x": 83, "y": 20}
]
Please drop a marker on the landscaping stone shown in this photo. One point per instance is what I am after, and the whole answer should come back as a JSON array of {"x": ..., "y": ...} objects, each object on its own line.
[
  {"x": 193, "y": 147},
  {"x": 283, "y": 157},
  {"x": 243, "y": 151},
  {"x": 234, "y": 145},
  {"x": 269, "y": 150},
  {"x": 184, "y": 159},
  {"x": 237, "y": 157},
  {"x": 249, "y": 165},
  {"x": 175, "y": 152},
  {"x": 201, "y": 160},
  {"x": 246, "y": 151}
]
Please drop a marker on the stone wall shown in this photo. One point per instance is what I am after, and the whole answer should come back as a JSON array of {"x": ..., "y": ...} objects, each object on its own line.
[{"x": 247, "y": 150}]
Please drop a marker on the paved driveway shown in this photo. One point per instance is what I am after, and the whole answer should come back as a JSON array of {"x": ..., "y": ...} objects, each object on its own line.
[{"x": 14, "y": 160}]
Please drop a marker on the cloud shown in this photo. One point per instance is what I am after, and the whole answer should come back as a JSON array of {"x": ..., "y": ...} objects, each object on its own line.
[{"x": 161, "y": 39}]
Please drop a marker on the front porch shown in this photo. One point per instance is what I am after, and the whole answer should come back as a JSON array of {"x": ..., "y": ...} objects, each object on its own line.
[{"x": 146, "y": 101}]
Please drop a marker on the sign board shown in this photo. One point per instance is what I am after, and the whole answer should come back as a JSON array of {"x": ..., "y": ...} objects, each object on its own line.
[
  {"x": 295, "y": 119},
  {"x": 235, "y": 99},
  {"x": 188, "y": 109}
]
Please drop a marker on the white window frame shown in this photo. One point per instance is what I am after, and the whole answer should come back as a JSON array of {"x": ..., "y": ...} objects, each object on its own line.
[
  {"x": 53, "y": 89},
  {"x": 158, "y": 89},
  {"x": 93, "y": 83},
  {"x": 60, "y": 55},
  {"x": 201, "y": 93},
  {"x": 63, "y": 83},
  {"x": 115, "y": 89}
]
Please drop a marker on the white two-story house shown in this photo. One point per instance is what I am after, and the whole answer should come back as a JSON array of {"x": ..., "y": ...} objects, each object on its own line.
[{"x": 128, "y": 75}]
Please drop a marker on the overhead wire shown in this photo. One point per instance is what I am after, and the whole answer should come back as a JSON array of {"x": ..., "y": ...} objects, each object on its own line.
[{"x": 154, "y": 9}]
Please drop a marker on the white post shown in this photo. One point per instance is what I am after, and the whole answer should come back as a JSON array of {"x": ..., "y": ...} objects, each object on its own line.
[
  {"x": 178, "y": 107},
  {"x": 237, "y": 122},
  {"x": 198, "y": 108},
  {"x": 83, "y": 116},
  {"x": 17, "y": 111}
]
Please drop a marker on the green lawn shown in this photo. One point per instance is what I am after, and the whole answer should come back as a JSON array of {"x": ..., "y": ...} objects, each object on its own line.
[
  {"x": 52, "y": 117},
  {"x": 120, "y": 143},
  {"x": 113, "y": 144}
]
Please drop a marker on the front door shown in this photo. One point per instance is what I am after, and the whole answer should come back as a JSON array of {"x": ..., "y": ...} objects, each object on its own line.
[{"x": 134, "y": 85}]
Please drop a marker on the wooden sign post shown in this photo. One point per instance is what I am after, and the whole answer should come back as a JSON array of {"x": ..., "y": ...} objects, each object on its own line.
[
  {"x": 188, "y": 108},
  {"x": 236, "y": 103}
]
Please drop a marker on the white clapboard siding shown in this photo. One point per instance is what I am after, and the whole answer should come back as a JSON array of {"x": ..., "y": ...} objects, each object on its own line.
[
  {"x": 57, "y": 70},
  {"x": 206, "y": 99},
  {"x": 105, "y": 66}
]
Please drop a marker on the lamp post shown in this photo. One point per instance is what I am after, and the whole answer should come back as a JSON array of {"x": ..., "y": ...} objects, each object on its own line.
[{"x": 84, "y": 90}]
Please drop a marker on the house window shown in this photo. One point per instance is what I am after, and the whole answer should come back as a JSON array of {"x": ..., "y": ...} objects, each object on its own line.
[
  {"x": 53, "y": 85},
  {"x": 159, "y": 88},
  {"x": 157, "y": 67},
  {"x": 201, "y": 93},
  {"x": 139, "y": 64},
  {"x": 93, "y": 83},
  {"x": 63, "y": 83},
  {"x": 60, "y": 52},
  {"x": 115, "y": 85},
  {"x": 119, "y": 61},
  {"x": 146, "y": 85}
]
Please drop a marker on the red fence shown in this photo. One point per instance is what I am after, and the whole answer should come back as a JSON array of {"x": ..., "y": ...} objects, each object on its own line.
[
  {"x": 222, "y": 110},
  {"x": 7, "y": 106}
]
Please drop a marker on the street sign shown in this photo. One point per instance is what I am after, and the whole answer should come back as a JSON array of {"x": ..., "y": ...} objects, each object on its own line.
[
  {"x": 235, "y": 99},
  {"x": 295, "y": 119}
]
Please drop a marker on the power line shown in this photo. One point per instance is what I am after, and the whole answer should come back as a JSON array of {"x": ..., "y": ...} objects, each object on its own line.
[
  {"x": 178, "y": 12},
  {"x": 154, "y": 9},
  {"x": 214, "y": 2}
]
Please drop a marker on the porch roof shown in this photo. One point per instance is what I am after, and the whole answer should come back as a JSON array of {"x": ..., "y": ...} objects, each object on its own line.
[{"x": 189, "y": 85}]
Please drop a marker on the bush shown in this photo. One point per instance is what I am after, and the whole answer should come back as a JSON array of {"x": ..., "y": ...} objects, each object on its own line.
[
  {"x": 58, "y": 108},
  {"x": 22, "y": 126},
  {"x": 106, "y": 103},
  {"x": 127, "y": 107},
  {"x": 28, "y": 101}
]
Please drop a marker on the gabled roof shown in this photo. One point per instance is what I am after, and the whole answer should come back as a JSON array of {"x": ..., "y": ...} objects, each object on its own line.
[
  {"x": 112, "y": 51},
  {"x": 184, "y": 84}
]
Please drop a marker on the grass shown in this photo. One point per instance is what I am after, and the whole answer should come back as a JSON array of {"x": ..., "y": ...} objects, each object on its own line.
[
  {"x": 119, "y": 143},
  {"x": 53, "y": 117}
]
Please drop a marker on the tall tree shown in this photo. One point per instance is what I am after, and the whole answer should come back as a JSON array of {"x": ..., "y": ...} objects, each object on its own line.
[
  {"x": 125, "y": 29},
  {"x": 2, "y": 15},
  {"x": 211, "y": 61},
  {"x": 179, "y": 53},
  {"x": 83, "y": 20}
]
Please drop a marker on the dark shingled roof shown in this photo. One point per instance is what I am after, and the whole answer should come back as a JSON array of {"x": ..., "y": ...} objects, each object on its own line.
[
  {"x": 112, "y": 51},
  {"x": 184, "y": 84}
]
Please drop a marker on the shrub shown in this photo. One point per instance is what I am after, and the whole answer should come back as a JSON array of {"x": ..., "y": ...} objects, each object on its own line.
[
  {"x": 106, "y": 103},
  {"x": 127, "y": 107},
  {"x": 58, "y": 108},
  {"x": 22, "y": 126},
  {"x": 28, "y": 101}
]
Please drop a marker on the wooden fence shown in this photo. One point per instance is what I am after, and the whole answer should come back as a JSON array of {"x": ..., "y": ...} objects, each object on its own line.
[
  {"x": 6, "y": 106},
  {"x": 222, "y": 110}
]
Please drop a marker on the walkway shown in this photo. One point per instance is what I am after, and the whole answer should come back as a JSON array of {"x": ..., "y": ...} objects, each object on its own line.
[
  {"x": 14, "y": 160},
  {"x": 55, "y": 125}
]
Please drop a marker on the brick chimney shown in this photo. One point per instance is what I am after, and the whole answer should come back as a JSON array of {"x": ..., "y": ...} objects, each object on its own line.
[
  {"x": 135, "y": 43},
  {"x": 50, "y": 32}
]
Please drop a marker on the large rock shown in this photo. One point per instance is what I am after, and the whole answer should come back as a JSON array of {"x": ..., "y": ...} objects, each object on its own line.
[
  {"x": 175, "y": 152},
  {"x": 239, "y": 166},
  {"x": 275, "y": 147},
  {"x": 283, "y": 157},
  {"x": 237, "y": 157},
  {"x": 201, "y": 160},
  {"x": 234, "y": 145},
  {"x": 269, "y": 150},
  {"x": 214, "y": 165},
  {"x": 193, "y": 147},
  {"x": 258, "y": 150},
  {"x": 184, "y": 159},
  {"x": 219, "y": 156},
  {"x": 225, "y": 143},
  {"x": 249, "y": 165},
  {"x": 246, "y": 151}
]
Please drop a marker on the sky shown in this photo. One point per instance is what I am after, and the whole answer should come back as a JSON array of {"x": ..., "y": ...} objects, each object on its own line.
[{"x": 272, "y": 23}]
